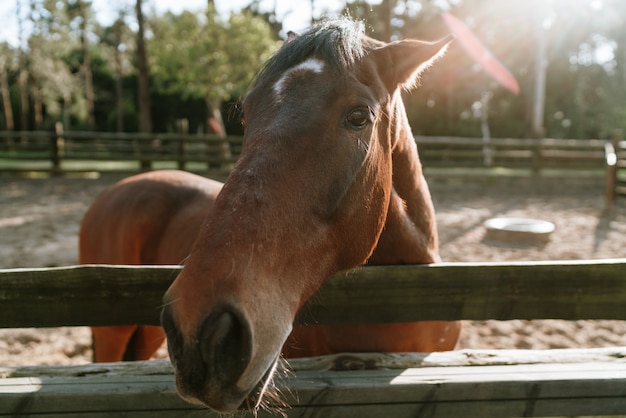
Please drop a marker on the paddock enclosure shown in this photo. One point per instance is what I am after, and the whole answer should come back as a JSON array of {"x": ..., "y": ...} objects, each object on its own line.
[{"x": 486, "y": 382}]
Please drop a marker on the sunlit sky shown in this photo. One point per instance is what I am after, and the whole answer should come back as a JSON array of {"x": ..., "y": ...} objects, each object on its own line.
[{"x": 295, "y": 14}]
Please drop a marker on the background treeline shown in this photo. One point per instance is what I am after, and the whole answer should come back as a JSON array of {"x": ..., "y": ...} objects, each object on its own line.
[{"x": 147, "y": 70}]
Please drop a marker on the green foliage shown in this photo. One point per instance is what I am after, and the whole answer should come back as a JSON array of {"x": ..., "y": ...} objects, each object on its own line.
[{"x": 201, "y": 56}]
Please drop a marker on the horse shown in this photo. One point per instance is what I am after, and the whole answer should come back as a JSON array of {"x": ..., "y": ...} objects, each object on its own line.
[
  {"x": 149, "y": 218},
  {"x": 329, "y": 179}
]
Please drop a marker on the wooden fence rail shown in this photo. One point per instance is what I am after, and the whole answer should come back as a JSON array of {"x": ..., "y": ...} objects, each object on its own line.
[
  {"x": 84, "y": 295},
  {"x": 506, "y": 383},
  {"x": 532, "y": 154},
  {"x": 58, "y": 152}
]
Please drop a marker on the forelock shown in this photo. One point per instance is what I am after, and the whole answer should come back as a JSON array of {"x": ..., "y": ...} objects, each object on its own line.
[{"x": 338, "y": 43}]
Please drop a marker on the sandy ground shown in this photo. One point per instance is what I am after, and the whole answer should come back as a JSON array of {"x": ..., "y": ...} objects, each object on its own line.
[{"x": 39, "y": 220}]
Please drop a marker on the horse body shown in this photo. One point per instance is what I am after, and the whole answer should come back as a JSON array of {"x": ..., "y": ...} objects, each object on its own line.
[
  {"x": 150, "y": 218},
  {"x": 154, "y": 218}
]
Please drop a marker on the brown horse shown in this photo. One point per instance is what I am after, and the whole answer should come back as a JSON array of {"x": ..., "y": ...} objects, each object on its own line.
[
  {"x": 329, "y": 178},
  {"x": 150, "y": 218}
]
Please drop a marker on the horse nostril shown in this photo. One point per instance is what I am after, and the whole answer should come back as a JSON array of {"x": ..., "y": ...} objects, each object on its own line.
[
  {"x": 174, "y": 341},
  {"x": 226, "y": 344},
  {"x": 167, "y": 322}
]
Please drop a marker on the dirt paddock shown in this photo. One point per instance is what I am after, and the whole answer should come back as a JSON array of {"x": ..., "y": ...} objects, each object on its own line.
[{"x": 39, "y": 220}]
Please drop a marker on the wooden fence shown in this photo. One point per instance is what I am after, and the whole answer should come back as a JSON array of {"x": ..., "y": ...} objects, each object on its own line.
[
  {"x": 537, "y": 155},
  {"x": 58, "y": 152},
  {"x": 503, "y": 383},
  {"x": 615, "y": 152}
]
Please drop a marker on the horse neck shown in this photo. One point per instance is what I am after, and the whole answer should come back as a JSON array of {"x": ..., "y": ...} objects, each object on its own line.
[{"x": 410, "y": 232}]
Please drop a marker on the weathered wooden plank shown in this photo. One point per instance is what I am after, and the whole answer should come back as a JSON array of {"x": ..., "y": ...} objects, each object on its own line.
[
  {"x": 82, "y": 295},
  {"x": 347, "y": 361},
  {"x": 457, "y": 358},
  {"x": 523, "y": 290},
  {"x": 114, "y": 295},
  {"x": 31, "y": 396},
  {"x": 590, "y": 386},
  {"x": 532, "y": 390}
]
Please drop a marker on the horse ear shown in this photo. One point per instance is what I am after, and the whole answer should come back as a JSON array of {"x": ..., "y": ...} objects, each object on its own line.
[
  {"x": 290, "y": 37},
  {"x": 401, "y": 62}
]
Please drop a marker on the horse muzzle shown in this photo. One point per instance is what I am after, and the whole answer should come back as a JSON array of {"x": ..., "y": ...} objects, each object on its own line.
[{"x": 210, "y": 368}]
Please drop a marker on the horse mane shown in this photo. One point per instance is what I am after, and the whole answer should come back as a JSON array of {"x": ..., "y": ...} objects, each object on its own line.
[{"x": 338, "y": 42}]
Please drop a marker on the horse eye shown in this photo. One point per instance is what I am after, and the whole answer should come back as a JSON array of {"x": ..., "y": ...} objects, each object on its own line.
[{"x": 358, "y": 118}]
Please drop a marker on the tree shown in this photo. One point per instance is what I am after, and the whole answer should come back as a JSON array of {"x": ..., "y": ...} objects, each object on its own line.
[
  {"x": 60, "y": 90},
  {"x": 81, "y": 10},
  {"x": 6, "y": 65},
  {"x": 23, "y": 73},
  {"x": 117, "y": 42},
  {"x": 204, "y": 57},
  {"x": 145, "y": 121},
  {"x": 54, "y": 68}
]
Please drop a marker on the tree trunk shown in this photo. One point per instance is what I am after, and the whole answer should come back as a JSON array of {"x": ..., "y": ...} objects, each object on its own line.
[
  {"x": 118, "y": 58},
  {"x": 23, "y": 75},
  {"x": 215, "y": 122},
  {"x": 6, "y": 100},
  {"x": 22, "y": 82},
  {"x": 86, "y": 68},
  {"x": 541, "y": 70},
  {"x": 145, "y": 121},
  {"x": 119, "y": 93},
  {"x": 9, "y": 122},
  {"x": 37, "y": 103},
  {"x": 67, "y": 102},
  {"x": 215, "y": 125}
]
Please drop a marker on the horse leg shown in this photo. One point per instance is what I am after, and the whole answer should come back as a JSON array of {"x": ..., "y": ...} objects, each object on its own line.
[
  {"x": 109, "y": 343},
  {"x": 144, "y": 342}
]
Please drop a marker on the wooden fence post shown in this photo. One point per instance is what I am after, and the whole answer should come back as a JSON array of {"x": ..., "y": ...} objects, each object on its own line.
[
  {"x": 183, "y": 129},
  {"x": 537, "y": 152},
  {"x": 57, "y": 148},
  {"x": 611, "y": 155},
  {"x": 145, "y": 148}
]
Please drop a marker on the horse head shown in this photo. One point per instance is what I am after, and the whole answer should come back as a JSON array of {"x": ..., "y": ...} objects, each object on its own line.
[{"x": 308, "y": 197}]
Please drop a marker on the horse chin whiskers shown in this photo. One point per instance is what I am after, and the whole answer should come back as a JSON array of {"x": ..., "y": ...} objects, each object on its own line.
[
  {"x": 271, "y": 402},
  {"x": 266, "y": 396}
]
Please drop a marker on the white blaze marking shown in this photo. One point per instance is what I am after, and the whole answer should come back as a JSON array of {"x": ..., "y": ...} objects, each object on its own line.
[{"x": 311, "y": 64}]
